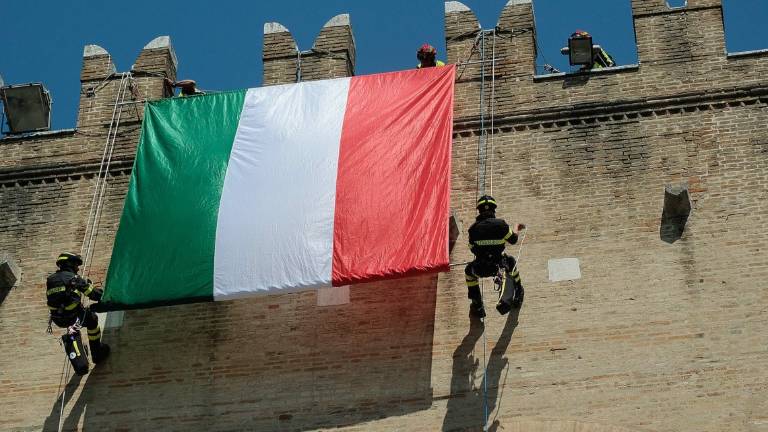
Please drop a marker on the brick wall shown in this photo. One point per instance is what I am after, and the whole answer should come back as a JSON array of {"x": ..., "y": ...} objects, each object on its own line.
[
  {"x": 332, "y": 54},
  {"x": 654, "y": 336}
]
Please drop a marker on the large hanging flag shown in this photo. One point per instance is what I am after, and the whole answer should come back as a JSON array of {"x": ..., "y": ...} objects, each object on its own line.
[{"x": 284, "y": 188}]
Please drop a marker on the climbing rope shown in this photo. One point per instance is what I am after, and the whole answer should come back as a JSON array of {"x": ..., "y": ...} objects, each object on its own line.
[
  {"x": 520, "y": 250},
  {"x": 97, "y": 202},
  {"x": 65, "y": 376},
  {"x": 485, "y": 366},
  {"x": 65, "y": 380},
  {"x": 99, "y": 193},
  {"x": 298, "y": 65},
  {"x": 493, "y": 105},
  {"x": 481, "y": 156},
  {"x": 485, "y": 167},
  {"x": 481, "y": 150}
]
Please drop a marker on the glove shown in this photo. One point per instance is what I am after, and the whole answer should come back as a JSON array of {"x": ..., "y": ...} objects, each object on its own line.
[
  {"x": 97, "y": 294},
  {"x": 78, "y": 283}
]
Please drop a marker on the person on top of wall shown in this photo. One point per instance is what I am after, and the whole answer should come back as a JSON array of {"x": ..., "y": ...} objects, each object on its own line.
[
  {"x": 487, "y": 239},
  {"x": 600, "y": 57},
  {"x": 188, "y": 87},
  {"x": 426, "y": 55},
  {"x": 64, "y": 291}
]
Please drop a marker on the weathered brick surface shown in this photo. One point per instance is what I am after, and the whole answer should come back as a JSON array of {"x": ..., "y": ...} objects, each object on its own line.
[
  {"x": 654, "y": 337},
  {"x": 332, "y": 54},
  {"x": 280, "y": 57}
]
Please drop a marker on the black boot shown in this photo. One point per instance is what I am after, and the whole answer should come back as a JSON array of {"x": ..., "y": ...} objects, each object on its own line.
[
  {"x": 519, "y": 295},
  {"x": 476, "y": 309},
  {"x": 99, "y": 352}
]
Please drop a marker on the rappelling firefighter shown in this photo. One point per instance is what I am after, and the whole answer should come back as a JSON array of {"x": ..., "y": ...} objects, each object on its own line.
[
  {"x": 64, "y": 291},
  {"x": 487, "y": 238},
  {"x": 427, "y": 57}
]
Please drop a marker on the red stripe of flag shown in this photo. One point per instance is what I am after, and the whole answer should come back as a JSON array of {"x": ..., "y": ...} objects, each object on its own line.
[{"x": 393, "y": 184}]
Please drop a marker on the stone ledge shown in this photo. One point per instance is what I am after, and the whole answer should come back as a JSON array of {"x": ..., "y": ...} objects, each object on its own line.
[
  {"x": 597, "y": 112},
  {"x": 753, "y": 53},
  {"x": 43, "y": 134},
  {"x": 676, "y": 10},
  {"x": 10, "y": 273},
  {"x": 603, "y": 71},
  {"x": 53, "y": 172}
]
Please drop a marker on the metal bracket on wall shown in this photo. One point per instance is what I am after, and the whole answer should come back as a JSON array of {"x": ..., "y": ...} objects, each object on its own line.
[{"x": 10, "y": 273}]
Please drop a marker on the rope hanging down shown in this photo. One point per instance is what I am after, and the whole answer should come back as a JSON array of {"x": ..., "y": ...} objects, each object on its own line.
[
  {"x": 481, "y": 172},
  {"x": 485, "y": 168},
  {"x": 97, "y": 203},
  {"x": 99, "y": 192}
]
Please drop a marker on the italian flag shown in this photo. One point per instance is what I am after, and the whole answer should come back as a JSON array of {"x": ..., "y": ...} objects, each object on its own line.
[{"x": 285, "y": 188}]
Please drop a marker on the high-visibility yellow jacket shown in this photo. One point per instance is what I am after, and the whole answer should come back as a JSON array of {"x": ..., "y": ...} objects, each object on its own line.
[{"x": 438, "y": 63}]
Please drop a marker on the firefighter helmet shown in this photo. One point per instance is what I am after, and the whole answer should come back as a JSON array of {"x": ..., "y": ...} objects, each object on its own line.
[
  {"x": 426, "y": 51},
  {"x": 486, "y": 202},
  {"x": 68, "y": 259},
  {"x": 580, "y": 34}
]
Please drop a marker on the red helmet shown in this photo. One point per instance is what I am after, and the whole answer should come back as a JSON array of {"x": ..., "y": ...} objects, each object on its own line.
[
  {"x": 580, "y": 33},
  {"x": 426, "y": 51}
]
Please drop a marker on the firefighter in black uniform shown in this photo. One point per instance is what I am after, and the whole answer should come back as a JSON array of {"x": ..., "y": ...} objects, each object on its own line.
[
  {"x": 487, "y": 238},
  {"x": 64, "y": 291}
]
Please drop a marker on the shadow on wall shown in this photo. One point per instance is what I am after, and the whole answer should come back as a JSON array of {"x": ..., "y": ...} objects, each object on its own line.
[
  {"x": 75, "y": 412},
  {"x": 268, "y": 363},
  {"x": 466, "y": 408}
]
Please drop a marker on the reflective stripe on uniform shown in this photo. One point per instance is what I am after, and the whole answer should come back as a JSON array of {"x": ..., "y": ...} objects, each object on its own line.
[
  {"x": 438, "y": 63},
  {"x": 489, "y": 242},
  {"x": 509, "y": 234},
  {"x": 55, "y": 290},
  {"x": 94, "y": 337},
  {"x": 471, "y": 284},
  {"x": 88, "y": 289},
  {"x": 71, "y": 306}
]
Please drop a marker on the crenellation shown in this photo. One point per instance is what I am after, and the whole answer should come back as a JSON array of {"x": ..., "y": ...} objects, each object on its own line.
[
  {"x": 516, "y": 40},
  {"x": 332, "y": 54},
  {"x": 156, "y": 62},
  {"x": 461, "y": 29},
  {"x": 97, "y": 63},
  {"x": 688, "y": 35},
  {"x": 333, "y": 51}
]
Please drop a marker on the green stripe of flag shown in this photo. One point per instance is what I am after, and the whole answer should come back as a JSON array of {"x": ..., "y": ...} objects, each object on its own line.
[{"x": 176, "y": 185}]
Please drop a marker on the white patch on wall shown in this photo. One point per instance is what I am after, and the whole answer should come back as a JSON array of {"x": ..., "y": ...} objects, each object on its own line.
[
  {"x": 113, "y": 319},
  {"x": 333, "y": 296},
  {"x": 561, "y": 269}
]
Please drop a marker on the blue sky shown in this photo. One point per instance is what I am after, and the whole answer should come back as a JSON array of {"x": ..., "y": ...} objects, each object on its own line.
[{"x": 219, "y": 43}]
